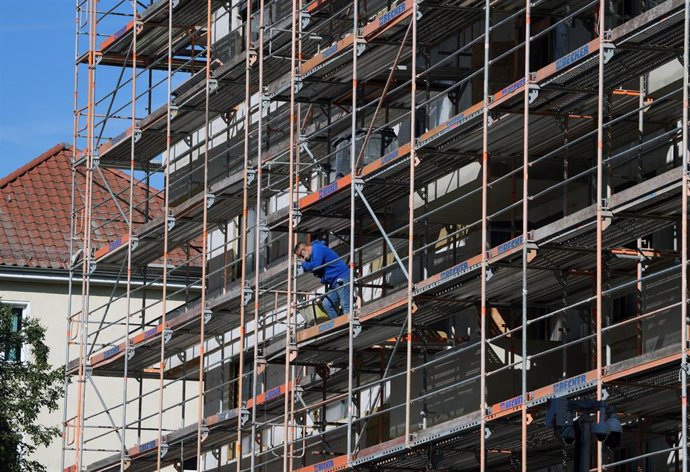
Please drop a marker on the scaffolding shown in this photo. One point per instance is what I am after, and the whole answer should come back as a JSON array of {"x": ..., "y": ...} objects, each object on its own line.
[{"x": 506, "y": 181}]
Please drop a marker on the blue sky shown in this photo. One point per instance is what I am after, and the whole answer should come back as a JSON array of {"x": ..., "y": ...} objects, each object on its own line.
[{"x": 36, "y": 79}]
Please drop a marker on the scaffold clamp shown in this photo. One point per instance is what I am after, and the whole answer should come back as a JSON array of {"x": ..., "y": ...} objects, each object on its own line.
[
  {"x": 358, "y": 182},
  {"x": 251, "y": 176},
  {"x": 305, "y": 18},
  {"x": 684, "y": 369},
  {"x": 265, "y": 102},
  {"x": 533, "y": 93},
  {"x": 606, "y": 216},
  {"x": 356, "y": 328},
  {"x": 76, "y": 257},
  {"x": 292, "y": 351},
  {"x": 296, "y": 217},
  {"x": 244, "y": 416},
  {"x": 608, "y": 49},
  {"x": 167, "y": 335},
  {"x": 210, "y": 199},
  {"x": 208, "y": 314},
  {"x": 164, "y": 448},
  {"x": 204, "y": 432},
  {"x": 95, "y": 159},
  {"x": 252, "y": 57},
  {"x": 212, "y": 85},
  {"x": 260, "y": 365},
  {"x": 361, "y": 47},
  {"x": 248, "y": 293}
]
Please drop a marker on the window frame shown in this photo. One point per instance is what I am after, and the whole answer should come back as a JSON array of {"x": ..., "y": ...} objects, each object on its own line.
[{"x": 25, "y": 312}]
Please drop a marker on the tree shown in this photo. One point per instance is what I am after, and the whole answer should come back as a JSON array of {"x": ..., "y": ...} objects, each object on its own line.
[{"x": 27, "y": 384}]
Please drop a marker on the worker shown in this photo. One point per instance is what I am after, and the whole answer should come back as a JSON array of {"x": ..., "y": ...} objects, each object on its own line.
[{"x": 326, "y": 264}]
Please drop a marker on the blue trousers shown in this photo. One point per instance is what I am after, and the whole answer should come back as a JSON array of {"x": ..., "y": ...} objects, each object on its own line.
[{"x": 337, "y": 296}]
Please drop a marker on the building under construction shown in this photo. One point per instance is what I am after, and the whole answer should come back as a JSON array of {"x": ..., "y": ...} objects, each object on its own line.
[{"x": 505, "y": 183}]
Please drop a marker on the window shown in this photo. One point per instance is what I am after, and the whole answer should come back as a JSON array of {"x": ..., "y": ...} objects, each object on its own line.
[{"x": 13, "y": 353}]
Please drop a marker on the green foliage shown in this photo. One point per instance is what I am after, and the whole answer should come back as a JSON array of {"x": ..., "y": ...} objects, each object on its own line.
[{"x": 26, "y": 386}]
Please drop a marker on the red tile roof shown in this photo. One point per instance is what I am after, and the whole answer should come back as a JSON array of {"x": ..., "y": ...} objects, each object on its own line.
[{"x": 35, "y": 202}]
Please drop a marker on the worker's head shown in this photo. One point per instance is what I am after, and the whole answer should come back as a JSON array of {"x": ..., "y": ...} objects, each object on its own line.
[{"x": 303, "y": 251}]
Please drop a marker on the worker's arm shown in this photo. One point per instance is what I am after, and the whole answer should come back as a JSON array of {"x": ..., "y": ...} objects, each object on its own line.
[{"x": 317, "y": 256}]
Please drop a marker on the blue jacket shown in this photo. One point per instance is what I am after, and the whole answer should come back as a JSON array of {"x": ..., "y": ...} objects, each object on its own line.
[{"x": 322, "y": 255}]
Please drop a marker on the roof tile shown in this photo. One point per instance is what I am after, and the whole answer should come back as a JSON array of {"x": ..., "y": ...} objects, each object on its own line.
[{"x": 35, "y": 202}]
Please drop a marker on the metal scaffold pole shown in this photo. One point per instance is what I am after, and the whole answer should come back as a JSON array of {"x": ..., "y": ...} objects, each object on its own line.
[
  {"x": 204, "y": 236},
  {"x": 484, "y": 241},
  {"x": 130, "y": 236},
  {"x": 410, "y": 222},
  {"x": 167, "y": 160},
  {"x": 89, "y": 161},
  {"x": 258, "y": 232},
  {"x": 525, "y": 234},
  {"x": 353, "y": 175},
  {"x": 600, "y": 217},
  {"x": 66, "y": 427},
  {"x": 243, "y": 230},
  {"x": 685, "y": 194},
  {"x": 292, "y": 189}
]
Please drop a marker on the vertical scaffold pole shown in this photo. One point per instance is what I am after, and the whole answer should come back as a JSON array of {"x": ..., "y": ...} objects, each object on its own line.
[
  {"x": 600, "y": 212},
  {"x": 130, "y": 231},
  {"x": 684, "y": 244},
  {"x": 525, "y": 231},
  {"x": 257, "y": 234},
  {"x": 410, "y": 222},
  {"x": 243, "y": 231},
  {"x": 70, "y": 283},
  {"x": 353, "y": 163},
  {"x": 89, "y": 152},
  {"x": 166, "y": 214},
  {"x": 204, "y": 234},
  {"x": 287, "y": 463},
  {"x": 485, "y": 178}
]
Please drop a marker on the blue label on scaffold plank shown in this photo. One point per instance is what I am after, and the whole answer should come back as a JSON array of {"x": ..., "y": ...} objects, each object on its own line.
[
  {"x": 573, "y": 57},
  {"x": 391, "y": 15}
]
